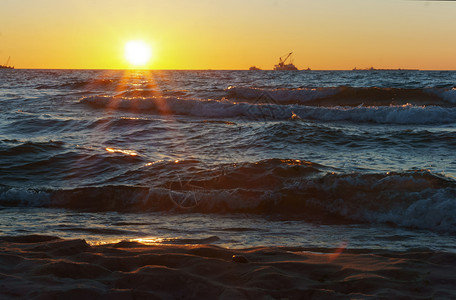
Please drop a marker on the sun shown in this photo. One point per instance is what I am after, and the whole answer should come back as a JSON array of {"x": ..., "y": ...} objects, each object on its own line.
[{"x": 137, "y": 53}]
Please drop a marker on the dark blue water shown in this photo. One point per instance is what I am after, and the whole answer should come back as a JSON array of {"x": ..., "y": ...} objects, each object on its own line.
[{"x": 237, "y": 158}]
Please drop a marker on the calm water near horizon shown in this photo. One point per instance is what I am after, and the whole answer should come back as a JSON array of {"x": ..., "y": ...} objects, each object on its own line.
[{"x": 312, "y": 159}]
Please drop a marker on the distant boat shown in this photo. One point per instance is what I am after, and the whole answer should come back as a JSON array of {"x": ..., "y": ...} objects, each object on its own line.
[
  {"x": 283, "y": 65},
  {"x": 6, "y": 66},
  {"x": 254, "y": 69}
]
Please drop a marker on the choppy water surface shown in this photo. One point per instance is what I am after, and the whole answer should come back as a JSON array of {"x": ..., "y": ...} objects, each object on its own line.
[{"x": 236, "y": 158}]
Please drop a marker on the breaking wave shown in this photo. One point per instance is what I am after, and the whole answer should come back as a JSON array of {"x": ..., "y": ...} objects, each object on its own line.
[
  {"x": 346, "y": 96},
  {"x": 286, "y": 188},
  {"x": 392, "y": 114}
]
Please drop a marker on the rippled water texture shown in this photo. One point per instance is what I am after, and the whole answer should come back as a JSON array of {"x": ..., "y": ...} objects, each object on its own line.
[{"x": 344, "y": 149}]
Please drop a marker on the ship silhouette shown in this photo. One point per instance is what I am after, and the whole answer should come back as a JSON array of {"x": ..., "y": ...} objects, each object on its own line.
[
  {"x": 7, "y": 66},
  {"x": 283, "y": 65}
]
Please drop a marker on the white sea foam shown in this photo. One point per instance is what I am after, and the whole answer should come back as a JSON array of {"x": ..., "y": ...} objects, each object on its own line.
[
  {"x": 340, "y": 94},
  {"x": 411, "y": 199},
  {"x": 419, "y": 200},
  {"x": 394, "y": 114},
  {"x": 436, "y": 211},
  {"x": 403, "y": 114},
  {"x": 24, "y": 197},
  {"x": 448, "y": 95}
]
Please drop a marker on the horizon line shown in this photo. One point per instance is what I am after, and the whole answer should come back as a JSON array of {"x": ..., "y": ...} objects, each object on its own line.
[{"x": 208, "y": 69}]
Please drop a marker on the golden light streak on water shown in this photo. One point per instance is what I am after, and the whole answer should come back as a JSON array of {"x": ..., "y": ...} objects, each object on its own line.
[{"x": 126, "y": 152}]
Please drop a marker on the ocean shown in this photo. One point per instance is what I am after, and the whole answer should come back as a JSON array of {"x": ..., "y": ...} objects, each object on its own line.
[{"x": 238, "y": 159}]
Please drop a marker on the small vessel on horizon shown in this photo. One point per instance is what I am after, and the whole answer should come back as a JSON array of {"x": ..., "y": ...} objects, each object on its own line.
[
  {"x": 283, "y": 66},
  {"x": 6, "y": 66},
  {"x": 254, "y": 68}
]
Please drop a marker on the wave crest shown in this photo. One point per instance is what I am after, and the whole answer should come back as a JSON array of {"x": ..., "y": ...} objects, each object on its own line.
[
  {"x": 346, "y": 96},
  {"x": 393, "y": 114},
  {"x": 416, "y": 199}
]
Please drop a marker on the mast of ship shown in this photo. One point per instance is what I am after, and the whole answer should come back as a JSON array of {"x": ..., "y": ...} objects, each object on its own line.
[{"x": 7, "y": 62}]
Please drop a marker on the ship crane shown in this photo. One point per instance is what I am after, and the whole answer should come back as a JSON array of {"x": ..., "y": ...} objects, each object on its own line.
[{"x": 282, "y": 61}]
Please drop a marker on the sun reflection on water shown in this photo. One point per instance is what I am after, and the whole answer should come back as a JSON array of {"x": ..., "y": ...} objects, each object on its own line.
[
  {"x": 126, "y": 152},
  {"x": 145, "y": 241},
  {"x": 148, "y": 240}
]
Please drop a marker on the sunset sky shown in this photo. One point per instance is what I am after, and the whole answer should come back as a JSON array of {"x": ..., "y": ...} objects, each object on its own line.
[{"x": 235, "y": 34}]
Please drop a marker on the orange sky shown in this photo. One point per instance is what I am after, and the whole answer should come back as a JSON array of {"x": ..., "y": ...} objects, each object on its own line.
[{"x": 236, "y": 34}]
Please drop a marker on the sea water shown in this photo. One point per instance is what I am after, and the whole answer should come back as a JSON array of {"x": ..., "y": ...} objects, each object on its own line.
[{"x": 312, "y": 159}]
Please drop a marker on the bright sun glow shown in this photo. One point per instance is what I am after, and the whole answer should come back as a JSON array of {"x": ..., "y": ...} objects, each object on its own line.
[{"x": 137, "y": 53}]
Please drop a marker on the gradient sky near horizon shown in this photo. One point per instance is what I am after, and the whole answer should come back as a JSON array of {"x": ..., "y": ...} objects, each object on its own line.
[{"x": 235, "y": 34}]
